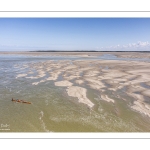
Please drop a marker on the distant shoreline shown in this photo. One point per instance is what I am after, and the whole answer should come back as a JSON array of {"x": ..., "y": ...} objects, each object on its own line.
[
  {"x": 74, "y": 51},
  {"x": 86, "y": 51},
  {"x": 121, "y": 54}
]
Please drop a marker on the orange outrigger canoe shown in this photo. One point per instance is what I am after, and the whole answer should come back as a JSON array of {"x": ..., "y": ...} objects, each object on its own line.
[{"x": 20, "y": 101}]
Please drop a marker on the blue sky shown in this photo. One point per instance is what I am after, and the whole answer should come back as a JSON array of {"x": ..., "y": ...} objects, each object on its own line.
[{"x": 23, "y": 34}]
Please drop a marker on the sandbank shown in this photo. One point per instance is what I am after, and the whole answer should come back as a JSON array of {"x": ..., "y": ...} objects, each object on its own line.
[
  {"x": 63, "y": 83},
  {"x": 122, "y": 76},
  {"x": 80, "y": 93},
  {"x": 106, "y": 98}
]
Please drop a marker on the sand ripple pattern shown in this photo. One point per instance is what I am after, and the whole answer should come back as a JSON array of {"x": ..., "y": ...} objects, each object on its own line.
[{"x": 131, "y": 78}]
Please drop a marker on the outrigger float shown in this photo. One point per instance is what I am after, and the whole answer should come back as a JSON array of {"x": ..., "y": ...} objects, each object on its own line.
[{"x": 20, "y": 101}]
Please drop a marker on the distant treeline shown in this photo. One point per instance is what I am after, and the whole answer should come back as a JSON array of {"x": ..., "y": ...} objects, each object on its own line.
[{"x": 86, "y": 51}]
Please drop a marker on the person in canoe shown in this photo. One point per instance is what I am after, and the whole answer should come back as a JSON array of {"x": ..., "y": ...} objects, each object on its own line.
[{"x": 20, "y": 101}]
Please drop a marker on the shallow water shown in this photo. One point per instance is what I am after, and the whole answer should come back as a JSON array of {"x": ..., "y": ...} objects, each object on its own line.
[
  {"x": 114, "y": 57},
  {"x": 52, "y": 110}
]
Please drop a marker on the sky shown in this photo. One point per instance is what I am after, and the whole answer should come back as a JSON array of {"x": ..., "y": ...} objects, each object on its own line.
[{"x": 100, "y": 34}]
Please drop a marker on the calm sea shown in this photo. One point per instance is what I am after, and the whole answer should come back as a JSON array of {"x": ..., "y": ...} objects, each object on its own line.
[{"x": 52, "y": 110}]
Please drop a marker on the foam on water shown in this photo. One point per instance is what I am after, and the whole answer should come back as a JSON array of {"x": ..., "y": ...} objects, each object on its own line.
[{"x": 42, "y": 122}]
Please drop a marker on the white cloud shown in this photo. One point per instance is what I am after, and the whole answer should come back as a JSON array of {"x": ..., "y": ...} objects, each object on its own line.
[
  {"x": 131, "y": 46},
  {"x": 139, "y": 45},
  {"x": 143, "y": 43}
]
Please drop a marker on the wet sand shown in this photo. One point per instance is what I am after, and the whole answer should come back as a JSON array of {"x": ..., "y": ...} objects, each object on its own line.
[{"x": 100, "y": 75}]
